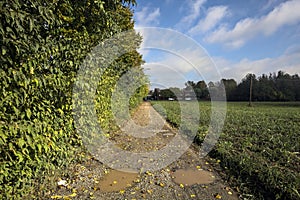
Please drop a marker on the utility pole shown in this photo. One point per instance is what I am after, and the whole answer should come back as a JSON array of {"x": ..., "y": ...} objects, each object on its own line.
[{"x": 250, "y": 96}]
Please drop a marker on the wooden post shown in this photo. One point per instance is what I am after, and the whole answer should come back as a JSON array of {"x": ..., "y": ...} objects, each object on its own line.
[{"x": 250, "y": 96}]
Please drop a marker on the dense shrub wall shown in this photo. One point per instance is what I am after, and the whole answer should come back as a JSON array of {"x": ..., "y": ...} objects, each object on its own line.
[{"x": 42, "y": 46}]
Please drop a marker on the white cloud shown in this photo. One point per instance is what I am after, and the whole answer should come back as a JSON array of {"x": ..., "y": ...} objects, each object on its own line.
[
  {"x": 285, "y": 14},
  {"x": 147, "y": 17},
  {"x": 213, "y": 17},
  {"x": 176, "y": 69},
  {"x": 287, "y": 62},
  {"x": 164, "y": 75},
  {"x": 292, "y": 49},
  {"x": 172, "y": 58},
  {"x": 194, "y": 12}
]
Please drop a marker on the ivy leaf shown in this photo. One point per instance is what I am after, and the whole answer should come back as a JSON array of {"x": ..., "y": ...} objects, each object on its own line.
[
  {"x": 30, "y": 24},
  {"x": 28, "y": 113}
]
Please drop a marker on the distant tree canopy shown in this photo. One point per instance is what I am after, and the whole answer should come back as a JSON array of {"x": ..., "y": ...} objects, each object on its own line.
[{"x": 273, "y": 87}]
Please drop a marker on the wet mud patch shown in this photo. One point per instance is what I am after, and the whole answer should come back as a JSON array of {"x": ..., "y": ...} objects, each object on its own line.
[
  {"x": 117, "y": 180},
  {"x": 189, "y": 177}
]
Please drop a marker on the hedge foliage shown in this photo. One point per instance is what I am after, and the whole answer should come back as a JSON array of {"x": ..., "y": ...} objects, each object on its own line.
[{"x": 43, "y": 44}]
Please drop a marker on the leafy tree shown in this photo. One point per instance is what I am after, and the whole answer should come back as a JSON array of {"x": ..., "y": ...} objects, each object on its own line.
[
  {"x": 201, "y": 90},
  {"x": 176, "y": 91},
  {"x": 166, "y": 93},
  {"x": 230, "y": 87},
  {"x": 296, "y": 86},
  {"x": 266, "y": 89},
  {"x": 284, "y": 85},
  {"x": 242, "y": 92},
  {"x": 190, "y": 84},
  {"x": 278, "y": 86},
  {"x": 275, "y": 87}
]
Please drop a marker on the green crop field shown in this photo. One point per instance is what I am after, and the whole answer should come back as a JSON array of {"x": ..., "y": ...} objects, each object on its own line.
[{"x": 259, "y": 146}]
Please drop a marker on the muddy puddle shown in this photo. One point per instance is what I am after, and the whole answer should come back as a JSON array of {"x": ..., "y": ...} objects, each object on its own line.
[
  {"x": 117, "y": 180},
  {"x": 189, "y": 177}
]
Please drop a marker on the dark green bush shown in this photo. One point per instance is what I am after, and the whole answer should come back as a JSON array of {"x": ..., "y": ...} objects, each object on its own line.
[{"x": 43, "y": 44}]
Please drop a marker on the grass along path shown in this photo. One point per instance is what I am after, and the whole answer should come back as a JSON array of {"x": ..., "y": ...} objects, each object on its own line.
[{"x": 259, "y": 146}]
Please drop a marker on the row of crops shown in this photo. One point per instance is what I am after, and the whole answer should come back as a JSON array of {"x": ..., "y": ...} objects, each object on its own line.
[{"x": 259, "y": 146}]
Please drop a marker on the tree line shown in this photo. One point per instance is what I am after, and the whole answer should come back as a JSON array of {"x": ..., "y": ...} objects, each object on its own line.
[{"x": 278, "y": 86}]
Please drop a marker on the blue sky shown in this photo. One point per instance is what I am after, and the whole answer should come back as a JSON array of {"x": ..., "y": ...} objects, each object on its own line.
[{"x": 254, "y": 36}]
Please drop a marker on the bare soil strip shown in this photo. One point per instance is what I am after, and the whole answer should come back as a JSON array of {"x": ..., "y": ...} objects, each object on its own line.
[{"x": 189, "y": 177}]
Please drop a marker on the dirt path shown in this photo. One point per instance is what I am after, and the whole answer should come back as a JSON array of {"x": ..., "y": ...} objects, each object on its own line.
[{"x": 188, "y": 177}]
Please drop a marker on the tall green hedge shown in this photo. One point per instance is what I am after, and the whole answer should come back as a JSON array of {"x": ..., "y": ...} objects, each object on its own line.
[{"x": 43, "y": 44}]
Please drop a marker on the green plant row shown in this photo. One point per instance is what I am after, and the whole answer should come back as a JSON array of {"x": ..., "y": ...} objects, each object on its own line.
[{"x": 259, "y": 146}]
